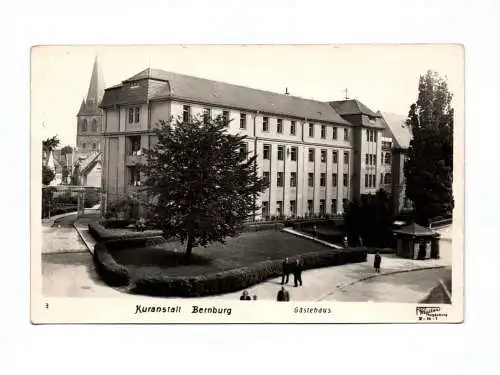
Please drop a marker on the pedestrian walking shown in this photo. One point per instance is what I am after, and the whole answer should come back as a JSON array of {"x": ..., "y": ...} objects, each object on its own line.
[
  {"x": 360, "y": 239},
  {"x": 297, "y": 273},
  {"x": 377, "y": 262},
  {"x": 283, "y": 295},
  {"x": 315, "y": 231},
  {"x": 346, "y": 243},
  {"x": 285, "y": 271},
  {"x": 244, "y": 296}
]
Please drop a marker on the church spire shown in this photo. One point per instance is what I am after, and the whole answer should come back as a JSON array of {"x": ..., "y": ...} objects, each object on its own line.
[
  {"x": 96, "y": 87},
  {"x": 82, "y": 107}
]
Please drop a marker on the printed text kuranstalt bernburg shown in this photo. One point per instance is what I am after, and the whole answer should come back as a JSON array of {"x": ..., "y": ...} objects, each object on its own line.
[{"x": 140, "y": 309}]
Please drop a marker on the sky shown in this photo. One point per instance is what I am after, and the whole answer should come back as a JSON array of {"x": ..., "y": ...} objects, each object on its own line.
[{"x": 384, "y": 77}]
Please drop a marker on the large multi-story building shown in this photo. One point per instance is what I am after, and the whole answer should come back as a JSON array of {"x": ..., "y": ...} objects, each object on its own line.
[
  {"x": 316, "y": 155},
  {"x": 90, "y": 116}
]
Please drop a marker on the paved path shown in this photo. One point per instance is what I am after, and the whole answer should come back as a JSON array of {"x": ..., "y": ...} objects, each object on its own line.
[
  {"x": 320, "y": 284},
  {"x": 410, "y": 287}
]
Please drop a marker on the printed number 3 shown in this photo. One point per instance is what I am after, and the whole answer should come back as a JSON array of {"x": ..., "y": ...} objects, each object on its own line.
[{"x": 46, "y": 305}]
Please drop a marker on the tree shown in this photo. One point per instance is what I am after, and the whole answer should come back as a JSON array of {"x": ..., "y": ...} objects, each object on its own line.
[
  {"x": 429, "y": 168},
  {"x": 50, "y": 143},
  {"x": 66, "y": 150},
  {"x": 47, "y": 175},
  {"x": 202, "y": 186},
  {"x": 370, "y": 218}
]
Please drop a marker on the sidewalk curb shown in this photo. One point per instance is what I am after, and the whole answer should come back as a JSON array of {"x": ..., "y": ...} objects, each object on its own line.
[
  {"x": 82, "y": 237},
  {"x": 340, "y": 287},
  {"x": 302, "y": 235}
]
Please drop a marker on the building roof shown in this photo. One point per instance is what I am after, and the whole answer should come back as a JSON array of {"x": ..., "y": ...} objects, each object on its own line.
[
  {"x": 352, "y": 107},
  {"x": 90, "y": 104},
  {"x": 401, "y": 134},
  {"x": 415, "y": 230},
  {"x": 88, "y": 160},
  {"x": 158, "y": 84}
]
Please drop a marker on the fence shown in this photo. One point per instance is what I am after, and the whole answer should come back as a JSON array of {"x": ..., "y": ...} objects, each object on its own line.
[{"x": 84, "y": 201}]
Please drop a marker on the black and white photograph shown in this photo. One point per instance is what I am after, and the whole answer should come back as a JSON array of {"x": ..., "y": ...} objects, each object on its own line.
[{"x": 207, "y": 183}]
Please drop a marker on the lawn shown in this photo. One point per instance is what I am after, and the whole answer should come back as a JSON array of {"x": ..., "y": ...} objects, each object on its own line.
[{"x": 244, "y": 250}]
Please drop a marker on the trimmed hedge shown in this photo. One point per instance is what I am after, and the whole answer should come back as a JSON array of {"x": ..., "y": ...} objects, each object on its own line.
[
  {"x": 116, "y": 224},
  {"x": 111, "y": 272},
  {"x": 100, "y": 233},
  {"x": 236, "y": 279}
]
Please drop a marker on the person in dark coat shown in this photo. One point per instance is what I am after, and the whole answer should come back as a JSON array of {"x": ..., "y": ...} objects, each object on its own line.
[
  {"x": 377, "y": 261},
  {"x": 283, "y": 295},
  {"x": 297, "y": 272},
  {"x": 245, "y": 296},
  {"x": 285, "y": 271}
]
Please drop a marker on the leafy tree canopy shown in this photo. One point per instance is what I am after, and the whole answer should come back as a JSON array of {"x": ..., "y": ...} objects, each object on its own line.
[
  {"x": 429, "y": 167},
  {"x": 50, "y": 144},
  {"x": 201, "y": 180}
]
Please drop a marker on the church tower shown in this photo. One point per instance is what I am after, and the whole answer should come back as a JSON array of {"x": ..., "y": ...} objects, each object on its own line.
[{"x": 90, "y": 116}]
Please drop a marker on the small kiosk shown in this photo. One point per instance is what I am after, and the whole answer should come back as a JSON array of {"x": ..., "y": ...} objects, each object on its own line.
[{"x": 417, "y": 242}]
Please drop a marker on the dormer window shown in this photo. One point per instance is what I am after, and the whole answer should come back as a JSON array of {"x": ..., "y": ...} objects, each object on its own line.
[{"x": 134, "y": 84}]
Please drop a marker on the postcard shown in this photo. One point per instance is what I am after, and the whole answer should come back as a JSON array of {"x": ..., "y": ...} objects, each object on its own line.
[{"x": 247, "y": 183}]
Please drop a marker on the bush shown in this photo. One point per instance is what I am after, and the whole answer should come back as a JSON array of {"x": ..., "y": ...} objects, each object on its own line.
[
  {"x": 116, "y": 224},
  {"x": 100, "y": 233},
  {"x": 236, "y": 279},
  {"x": 255, "y": 227},
  {"x": 108, "y": 269}
]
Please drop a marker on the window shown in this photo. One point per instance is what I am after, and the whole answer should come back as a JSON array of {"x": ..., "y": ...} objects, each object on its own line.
[
  {"x": 346, "y": 134},
  {"x": 225, "y": 117},
  {"x": 369, "y": 180},
  {"x": 345, "y": 179},
  {"x": 267, "y": 152},
  {"x": 84, "y": 145},
  {"x": 334, "y": 179},
  {"x": 243, "y": 151},
  {"x": 323, "y": 156},
  {"x": 334, "y": 133},
  {"x": 265, "y": 209},
  {"x": 311, "y": 154},
  {"x": 346, "y": 158},
  {"x": 130, "y": 115},
  {"x": 281, "y": 152},
  {"x": 265, "y": 177},
  {"x": 387, "y": 158},
  {"x": 265, "y": 124},
  {"x": 334, "y": 206},
  {"x": 322, "y": 207},
  {"x": 374, "y": 159},
  {"x": 293, "y": 207},
  {"x": 293, "y": 154},
  {"x": 322, "y": 180},
  {"x": 310, "y": 207},
  {"x": 134, "y": 176},
  {"x": 335, "y": 156},
  {"x": 243, "y": 120},
  {"x": 310, "y": 180},
  {"x": 323, "y": 131},
  {"x": 293, "y": 179},
  {"x": 279, "y": 208},
  {"x": 94, "y": 125},
  {"x": 279, "y": 127},
  {"x": 134, "y": 144},
  {"x": 388, "y": 179},
  {"x": 186, "y": 113},
  {"x": 381, "y": 178},
  {"x": 207, "y": 114},
  {"x": 84, "y": 126},
  {"x": 370, "y": 159},
  {"x": 279, "y": 179},
  {"x": 367, "y": 159},
  {"x": 94, "y": 146},
  {"x": 311, "y": 129},
  {"x": 137, "y": 114},
  {"x": 366, "y": 180},
  {"x": 292, "y": 127}
]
